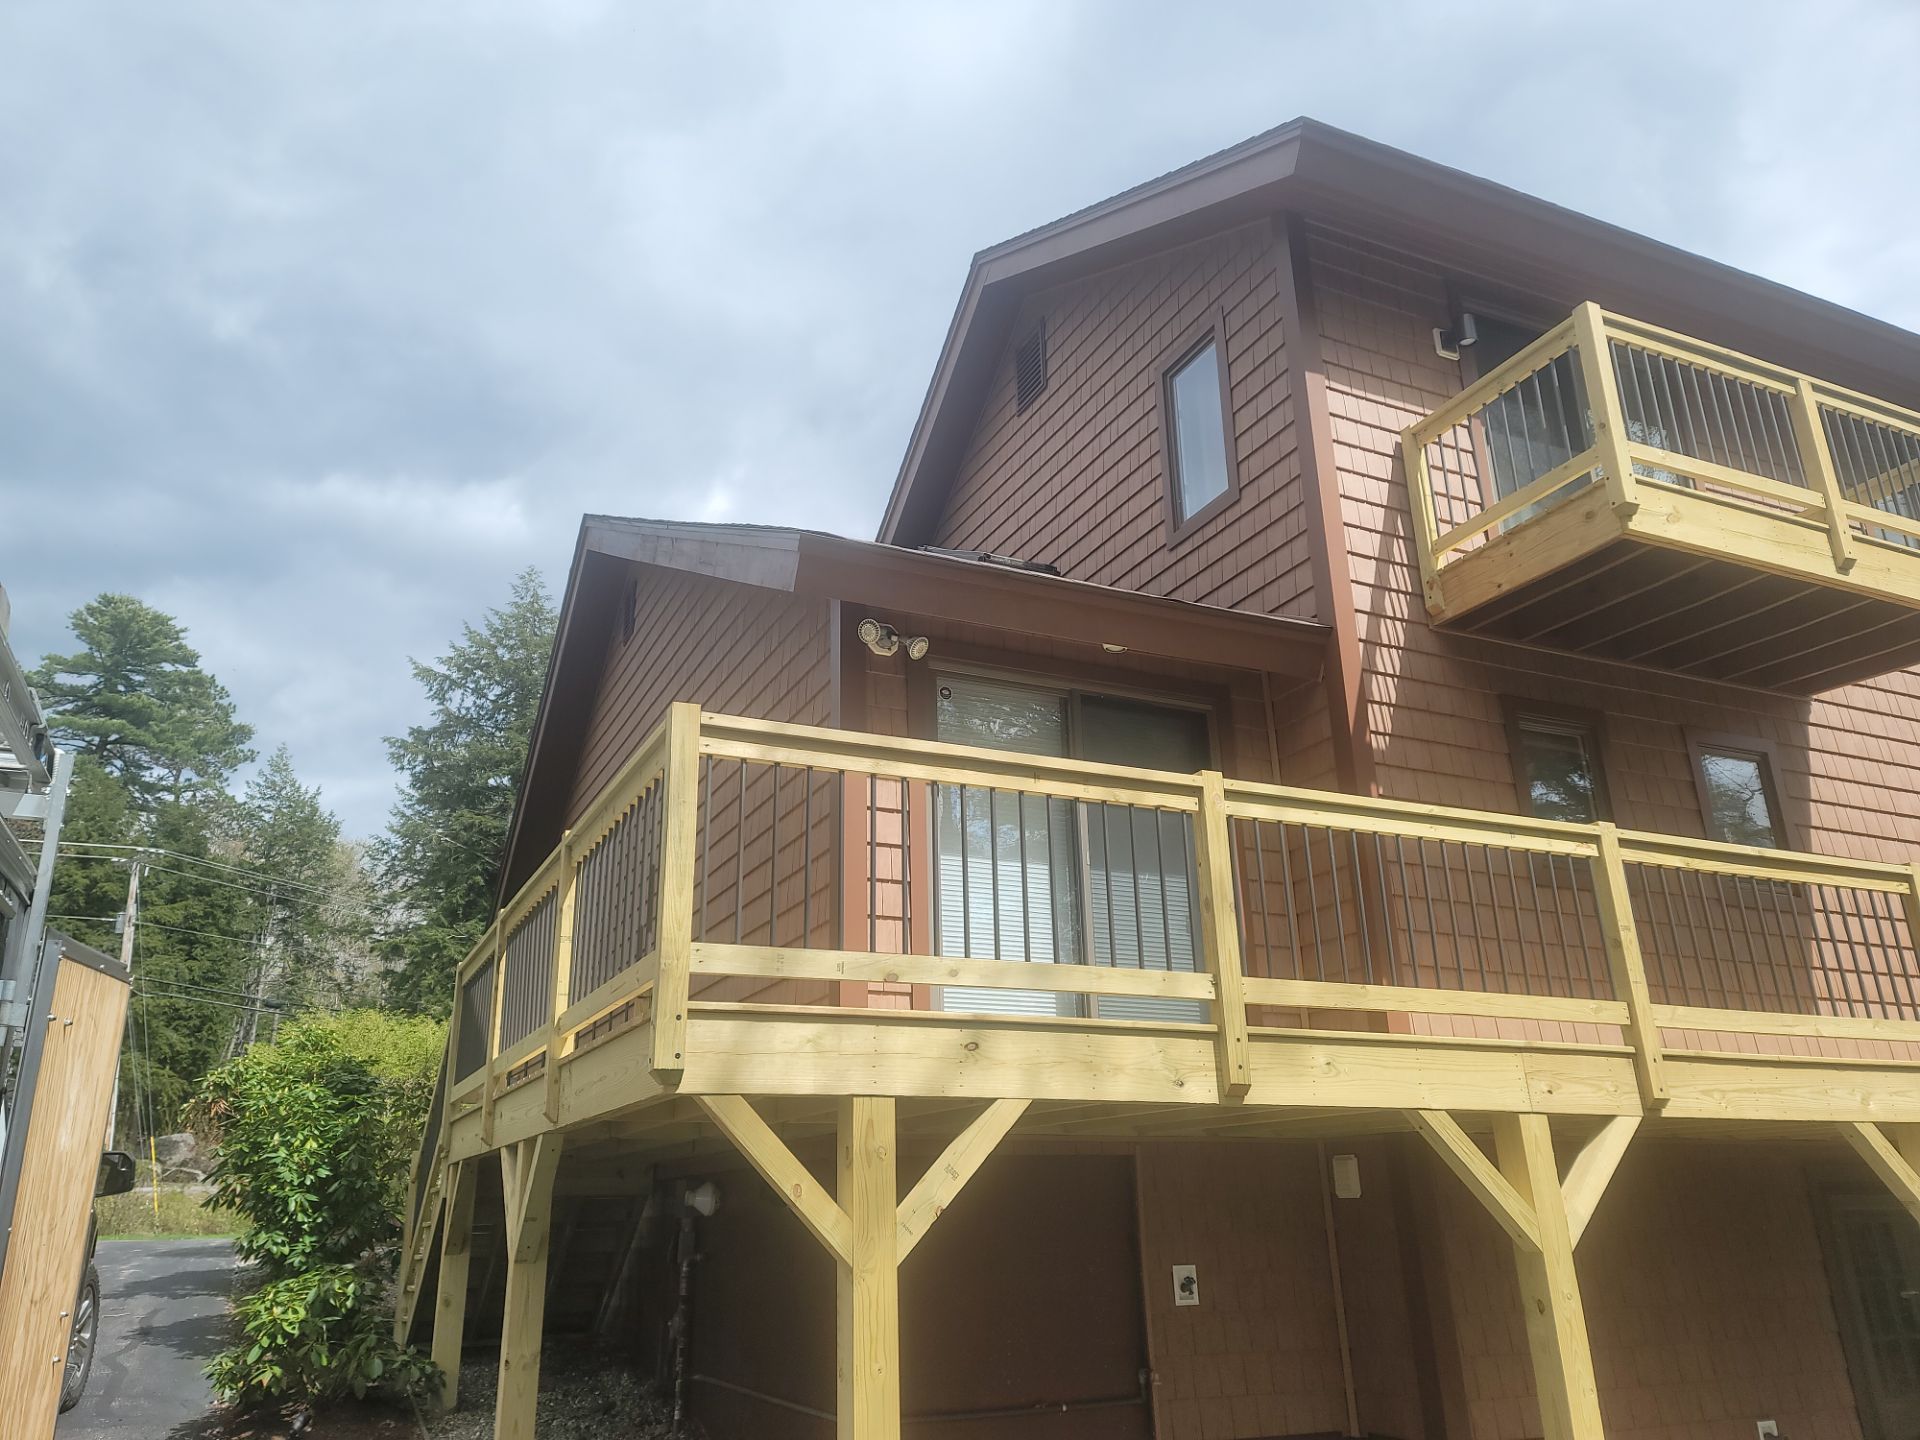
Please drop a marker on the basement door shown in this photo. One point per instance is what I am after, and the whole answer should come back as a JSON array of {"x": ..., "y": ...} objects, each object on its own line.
[
  {"x": 1874, "y": 1259},
  {"x": 1057, "y": 882}
]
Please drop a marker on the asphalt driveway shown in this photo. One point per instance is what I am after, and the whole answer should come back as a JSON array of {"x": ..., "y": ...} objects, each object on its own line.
[{"x": 163, "y": 1313}]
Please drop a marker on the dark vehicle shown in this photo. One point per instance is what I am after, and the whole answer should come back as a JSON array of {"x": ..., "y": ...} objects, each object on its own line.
[{"x": 116, "y": 1178}]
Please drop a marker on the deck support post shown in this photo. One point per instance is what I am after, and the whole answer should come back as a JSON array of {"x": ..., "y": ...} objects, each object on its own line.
[
  {"x": 456, "y": 1253},
  {"x": 1549, "y": 1289},
  {"x": 526, "y": 1175},
  {"x": 867, "y": 1295}
]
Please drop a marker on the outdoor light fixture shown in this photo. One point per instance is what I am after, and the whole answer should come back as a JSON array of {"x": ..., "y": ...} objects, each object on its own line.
[
  {"x": 1448, "y": 343},
  {"x": 882, "y": 639}
]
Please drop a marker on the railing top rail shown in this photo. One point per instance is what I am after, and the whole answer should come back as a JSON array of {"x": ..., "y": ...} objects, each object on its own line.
[
  {"x": 1705, "y": 352},
  {"x": 1255, "y": 799},
  {"x": 900, "y": 757},
  {"x": 1867, "y": 407},
  {"x": 1647, "y": 847},
  {"x": 1489, "y": 387}
]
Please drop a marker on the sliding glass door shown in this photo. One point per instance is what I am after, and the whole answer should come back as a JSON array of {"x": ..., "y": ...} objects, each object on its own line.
[{"x": 1054, "y": 882}]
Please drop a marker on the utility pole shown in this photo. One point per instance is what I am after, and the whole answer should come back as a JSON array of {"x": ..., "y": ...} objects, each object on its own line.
[{"x": 126, "y": 959}]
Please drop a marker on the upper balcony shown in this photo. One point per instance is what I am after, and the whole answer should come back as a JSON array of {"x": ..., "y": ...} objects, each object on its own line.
[{"x": 1626, "y": 492}]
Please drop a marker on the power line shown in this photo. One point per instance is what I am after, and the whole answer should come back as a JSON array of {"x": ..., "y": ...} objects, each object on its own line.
[
  {"x": 146, "y": 924},
  {"x": 209, "y": 989},
  {"x": 266, "y": 875},
  {"x": 75, "y": 850},
  {"x": 151, "y": 995}
]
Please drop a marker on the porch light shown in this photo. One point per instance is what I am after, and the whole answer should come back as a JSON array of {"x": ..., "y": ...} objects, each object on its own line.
[
  {"x": 882, "y": 639},
  {"x": 1449, "y": 342}
]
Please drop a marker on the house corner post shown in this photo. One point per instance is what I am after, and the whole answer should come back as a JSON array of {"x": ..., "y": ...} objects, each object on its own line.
[
  {"x": 867, "y": 1298},
  {"x": 1549, "y": 1289}
]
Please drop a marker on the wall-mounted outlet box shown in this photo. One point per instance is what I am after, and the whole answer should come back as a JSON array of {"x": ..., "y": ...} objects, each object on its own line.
[
  {"x": 1346, "y": 1177},
  {"x": 1186, "y": 1285},
  {"x": 1766, "y": 1430}
]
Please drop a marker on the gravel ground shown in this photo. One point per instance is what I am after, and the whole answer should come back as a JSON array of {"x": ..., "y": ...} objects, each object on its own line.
[{"x": 580, "y": 1399}]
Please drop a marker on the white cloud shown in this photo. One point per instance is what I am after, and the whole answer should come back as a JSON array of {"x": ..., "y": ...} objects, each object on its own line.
[{"x": 320, "y": 322}]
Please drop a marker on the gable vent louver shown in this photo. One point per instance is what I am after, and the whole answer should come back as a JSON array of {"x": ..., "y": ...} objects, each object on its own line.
[{"x": 1030, "y": 368}]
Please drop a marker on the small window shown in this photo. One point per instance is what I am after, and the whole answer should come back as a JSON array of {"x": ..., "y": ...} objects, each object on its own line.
[
  {"x": 1030, "y": 368},
  {"x": 1737, "y": 793},
  {"x": 1556, "y": 763},
  {"x": 1199, "y": 458}
]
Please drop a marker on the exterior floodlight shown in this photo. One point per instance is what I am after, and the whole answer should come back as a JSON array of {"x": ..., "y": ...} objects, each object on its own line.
[{"x": 882, "y": 639}]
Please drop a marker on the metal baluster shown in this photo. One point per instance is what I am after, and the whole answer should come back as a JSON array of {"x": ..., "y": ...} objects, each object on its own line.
[
  {"x": 1313, "y": 901},
  {"x": 1360, "y": 908},
  {"x": 1339, "y": 906},
  {"x": 1293, "y": 924}
]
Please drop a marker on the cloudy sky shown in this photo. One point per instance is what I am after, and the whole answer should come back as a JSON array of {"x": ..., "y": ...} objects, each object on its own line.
[{"x": 318, "y": 321}]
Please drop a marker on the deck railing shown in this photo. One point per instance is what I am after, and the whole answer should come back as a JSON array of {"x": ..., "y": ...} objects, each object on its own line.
[
  {"x": 1602, "y": 400},
  {"x": 746, "y": 864}
]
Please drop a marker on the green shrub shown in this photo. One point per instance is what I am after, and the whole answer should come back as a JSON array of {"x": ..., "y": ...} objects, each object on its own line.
[
  {"x": 316, "y": 1136},
  {"x": 315, "y": 1336}
]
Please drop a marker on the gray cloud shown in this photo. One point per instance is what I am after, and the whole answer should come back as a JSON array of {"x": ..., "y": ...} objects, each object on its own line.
[{"x": 318, "y": 321}]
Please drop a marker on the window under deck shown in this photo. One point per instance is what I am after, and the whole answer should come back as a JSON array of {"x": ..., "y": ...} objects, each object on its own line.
[{"x": 1623, "y": 491}]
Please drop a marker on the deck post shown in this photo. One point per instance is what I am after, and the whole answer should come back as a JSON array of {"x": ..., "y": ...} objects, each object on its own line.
[
  {"x": 450, "y": 1305},
  {"x": 526, "y": 1175},
  {"x": 1549, "y": 1289},
  {"x": 1816, "y": 460},
  {"x": 562, "y": 974},
  {"x": 680, "y": 827},
  {"x": 1220, "y": 935},
  {"x": 867, "y": 1295},
  {"x": 1603, "y": 402}
]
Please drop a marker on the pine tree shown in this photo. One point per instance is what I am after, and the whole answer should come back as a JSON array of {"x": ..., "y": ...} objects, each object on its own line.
[
  {"x": 285, "y": 832},
  {"x": 135, "y": 699},
  {"x": 460, "y": 771}
]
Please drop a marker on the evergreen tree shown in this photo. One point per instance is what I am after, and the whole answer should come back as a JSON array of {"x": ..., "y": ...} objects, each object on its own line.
[
  {"x": 286, "y": 833},
  {"x": 135, "y": 699},
  {"x": 90, "y": 889},
  {"x": 460, "y": 771}
]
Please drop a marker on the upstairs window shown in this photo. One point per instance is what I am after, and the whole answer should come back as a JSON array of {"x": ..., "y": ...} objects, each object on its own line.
[
  {"x": 1737, "y": 792},
  {"x": 1556, "y": 762},
  {"x": 1199, "y": 454}
]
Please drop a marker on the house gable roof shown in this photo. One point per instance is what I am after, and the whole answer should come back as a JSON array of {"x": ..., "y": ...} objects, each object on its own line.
[
  {"x": 815, "y": 565},
  {"x": 1486, "y": 229}
]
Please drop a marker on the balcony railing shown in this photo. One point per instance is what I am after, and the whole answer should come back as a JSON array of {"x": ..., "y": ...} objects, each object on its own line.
[
  {"x": 1747, "y": 462},
  {"x": 754, "y": 867}
]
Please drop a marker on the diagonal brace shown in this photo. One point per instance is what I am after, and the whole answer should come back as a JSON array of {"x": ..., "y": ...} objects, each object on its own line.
[
  {"x": 1480, "y": 1175},
  {"x": 948, "y": 1175}
]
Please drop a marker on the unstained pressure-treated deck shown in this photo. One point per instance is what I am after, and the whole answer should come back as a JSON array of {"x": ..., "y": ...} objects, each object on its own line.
[{"x": 1340, "y": 962}]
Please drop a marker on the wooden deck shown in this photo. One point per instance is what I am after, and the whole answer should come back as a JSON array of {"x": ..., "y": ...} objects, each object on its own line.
[
  {"x": 706, "y": 956},
  {"x": 1628, "y": 492}
]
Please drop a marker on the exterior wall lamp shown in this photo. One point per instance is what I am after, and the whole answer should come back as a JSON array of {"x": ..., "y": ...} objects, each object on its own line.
[{"x": 882, "y": 639}]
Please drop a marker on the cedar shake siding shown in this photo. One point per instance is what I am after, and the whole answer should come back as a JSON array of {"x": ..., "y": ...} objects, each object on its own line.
[
  {"x": 1847, "y": 762},
  {"x": 740, "y": 650},
  {"x": 730, "y": 648},
  {"x": 1078, "y": 480}
]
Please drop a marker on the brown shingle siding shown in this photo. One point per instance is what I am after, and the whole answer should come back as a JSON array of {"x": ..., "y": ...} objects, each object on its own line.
[
  {"x": 1079, "y": 479},
  {"x": 1850, "y": 759}
]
